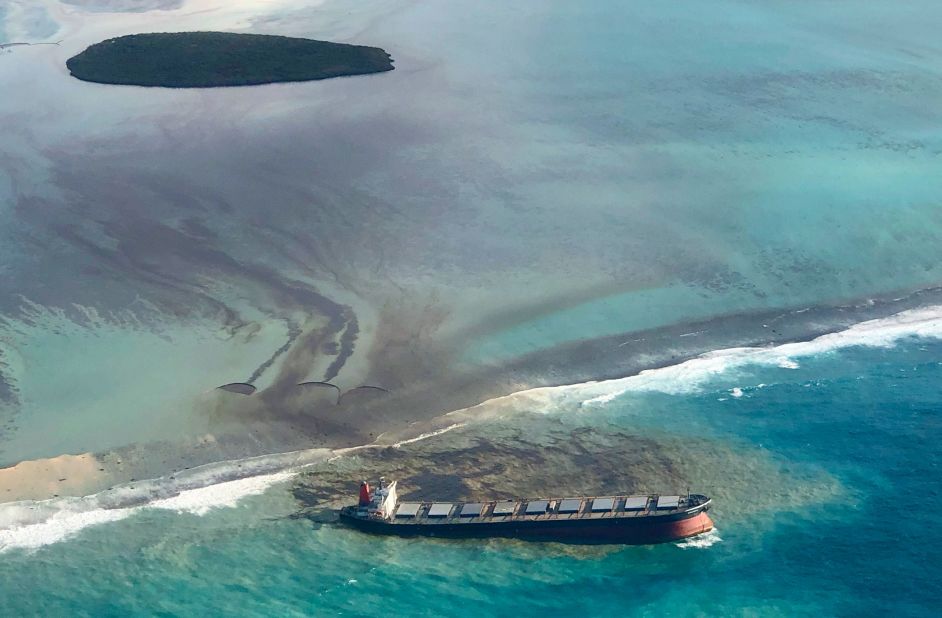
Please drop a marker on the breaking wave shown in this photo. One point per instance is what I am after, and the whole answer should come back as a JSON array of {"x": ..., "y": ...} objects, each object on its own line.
[
  {"x": 701, "y": 541},
  {"x": 201, "y": 501},
  {"x": 690, "y": 376},
  {"x": 32, "y": 524},
  {"x": 31, "y": 527}
]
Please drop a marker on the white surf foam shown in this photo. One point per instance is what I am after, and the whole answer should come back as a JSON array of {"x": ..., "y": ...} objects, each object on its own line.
[
  {"x": 690, "y": 376},
  {"x": 430, "y": 434},
  {"x": 228, "y": 494},
  {"x": 33, "y": 524},
  {"x": 32, "y": 530},
  {"x": 701, "y": 541}
]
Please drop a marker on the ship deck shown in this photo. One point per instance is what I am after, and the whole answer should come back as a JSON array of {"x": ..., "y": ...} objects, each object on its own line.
[{"x": 427, "y": 513}]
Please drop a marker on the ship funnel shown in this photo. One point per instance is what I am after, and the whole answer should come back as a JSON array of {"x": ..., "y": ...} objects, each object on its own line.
[{"x": 365, "y": 497}]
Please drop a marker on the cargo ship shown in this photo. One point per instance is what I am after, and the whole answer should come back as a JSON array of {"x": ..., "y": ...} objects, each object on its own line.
[{"x": 625, "y": 519}]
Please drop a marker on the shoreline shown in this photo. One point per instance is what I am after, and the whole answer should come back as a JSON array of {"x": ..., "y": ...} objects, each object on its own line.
[
  {"x": 120, "y": 467},
  {"x": 628, "y": 354}
]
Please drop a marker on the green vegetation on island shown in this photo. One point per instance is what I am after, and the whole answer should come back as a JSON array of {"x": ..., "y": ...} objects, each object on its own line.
[{"x": 210, "y": 59}]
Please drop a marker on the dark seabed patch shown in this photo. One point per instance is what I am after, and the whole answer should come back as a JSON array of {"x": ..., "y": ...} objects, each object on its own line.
[{"x": 538, "y": 456}]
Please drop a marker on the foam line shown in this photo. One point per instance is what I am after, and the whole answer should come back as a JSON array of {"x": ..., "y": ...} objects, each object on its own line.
[
  {"x": 701, "y": 541},
  {"x": 691, "y": 375},
  {"x": 32, "y": 524},
  {"x": 65, "y": 522},
  {"x": 201, "y": 501},
  {"x": 430, "y": 434}
]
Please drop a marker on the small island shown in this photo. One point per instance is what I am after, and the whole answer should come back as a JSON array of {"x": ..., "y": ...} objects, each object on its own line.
[{"x": 214, "y": 59}]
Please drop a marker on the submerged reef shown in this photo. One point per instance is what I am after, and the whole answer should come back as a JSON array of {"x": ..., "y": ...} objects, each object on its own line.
[
  {"x": 212, "y": 59},
  {"x": 527, "y": 457}
]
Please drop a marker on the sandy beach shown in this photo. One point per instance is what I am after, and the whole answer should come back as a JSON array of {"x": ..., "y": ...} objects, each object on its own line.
[{"x": 76, "y": 475}]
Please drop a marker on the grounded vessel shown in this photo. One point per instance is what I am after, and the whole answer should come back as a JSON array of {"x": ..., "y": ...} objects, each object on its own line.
[{"x": 628, "y": 519}]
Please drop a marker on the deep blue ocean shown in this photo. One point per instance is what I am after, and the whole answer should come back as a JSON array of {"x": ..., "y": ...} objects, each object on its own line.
[{"x": 828, "y": 507}]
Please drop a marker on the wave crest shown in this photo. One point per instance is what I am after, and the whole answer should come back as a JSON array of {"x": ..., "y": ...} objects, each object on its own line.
[
  {"x": 701, "y": 541},
  {"x": 691, "y": 375},
  {"x": 32, "y": 524}
]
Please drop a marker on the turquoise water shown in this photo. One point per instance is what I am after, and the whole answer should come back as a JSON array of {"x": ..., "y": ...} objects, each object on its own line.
[
  {"x": 861, "y": 543},
  {"x": 758, "y": 146}
]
